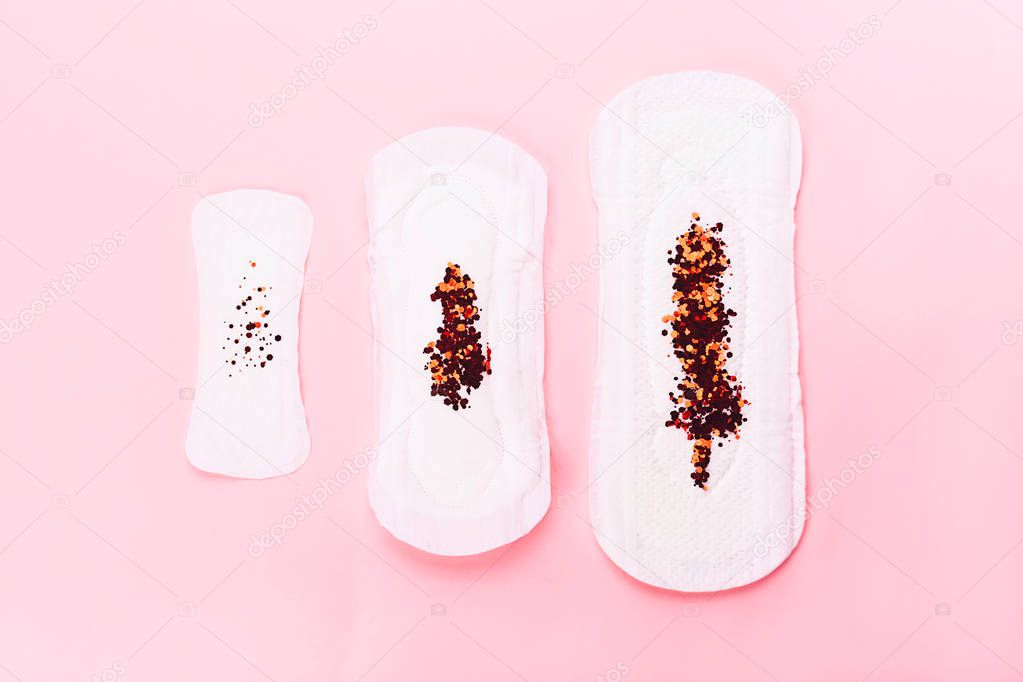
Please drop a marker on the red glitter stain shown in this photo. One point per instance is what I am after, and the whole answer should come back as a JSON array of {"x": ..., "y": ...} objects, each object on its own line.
[
  {"x": 457, "y": 359},
  {"x": 709, "y": 402},
  {"x": 256, "y": 335}
]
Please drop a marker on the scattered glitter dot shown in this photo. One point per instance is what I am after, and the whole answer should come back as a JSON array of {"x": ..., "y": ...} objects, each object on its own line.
[{"x": 254, "y": 333}]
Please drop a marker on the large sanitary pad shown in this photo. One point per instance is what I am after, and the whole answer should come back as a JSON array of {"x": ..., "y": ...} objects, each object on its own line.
[
  {"x": 456, "y": 220},
  {"x": 697, "y": 462}
]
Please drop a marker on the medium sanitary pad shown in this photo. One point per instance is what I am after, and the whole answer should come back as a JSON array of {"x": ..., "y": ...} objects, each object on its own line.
[
  {"x": 247, "y": 418},
  {"x": 456, "y": 220},
  {"x": 697, "y": 462}
]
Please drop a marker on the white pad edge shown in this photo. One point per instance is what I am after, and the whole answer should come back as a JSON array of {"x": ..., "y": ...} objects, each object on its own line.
[
  {"x": 248, "y": 420},
  {"x": 457, "y": 482},
  {"x": 662, "y": 149}
]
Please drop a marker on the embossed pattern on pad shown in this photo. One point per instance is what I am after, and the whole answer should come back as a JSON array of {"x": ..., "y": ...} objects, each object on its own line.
[
  {"x": 457, "y": 481},
  {"x": 664, "y": 149}
]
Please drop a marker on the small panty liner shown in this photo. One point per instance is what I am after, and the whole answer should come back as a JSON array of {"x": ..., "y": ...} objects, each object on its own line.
[
  {"x": 250, "y": 250},
  {"x": 456, "y": 219},
  {"x": 698, "y": 334}
]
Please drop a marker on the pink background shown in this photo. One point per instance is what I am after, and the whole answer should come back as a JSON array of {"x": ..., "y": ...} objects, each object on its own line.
[{"x": 119, "y": 560}]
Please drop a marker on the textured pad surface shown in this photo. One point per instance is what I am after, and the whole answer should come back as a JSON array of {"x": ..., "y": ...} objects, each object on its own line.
[
  {"x": 663, "y": 150},
  {"x": 250, "y": 248},
  {"x": 457, "y": 481}
]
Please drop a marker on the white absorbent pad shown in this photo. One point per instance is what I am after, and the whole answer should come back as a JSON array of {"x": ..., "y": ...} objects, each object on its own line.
[
  {"x": 697, "y": 462},
  {"x": 456, "y": 219},
  {"x": 250, "y": 251}
]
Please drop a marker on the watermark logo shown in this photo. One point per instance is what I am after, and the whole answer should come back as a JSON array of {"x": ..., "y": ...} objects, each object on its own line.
[
  {"x": 619, "y": 671},
  {"x": 307, "y": 74},
  {"x": 564, "y": 288},
  {"x": 310, "y": 503},
  {"x": 1012, "y": 332},
  {"x": 74, "y": 273},
  {"x": 819, "y": 70},
  {"x": 114, "y": 672},
  {"x": 820, "y": 500}
]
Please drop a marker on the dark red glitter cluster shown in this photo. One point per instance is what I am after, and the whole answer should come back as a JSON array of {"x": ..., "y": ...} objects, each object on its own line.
[
  {"x": 709, "y": 402},
  {"x": 457, "y": 359},
  {"x": 249, "y": 337}
]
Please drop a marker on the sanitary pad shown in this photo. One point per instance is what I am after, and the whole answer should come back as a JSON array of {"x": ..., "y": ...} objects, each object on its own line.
[
  {"x": 250, "y": 250},
  {"x": 697, "y": 461},
  {"x": 456, "y": 220}
]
